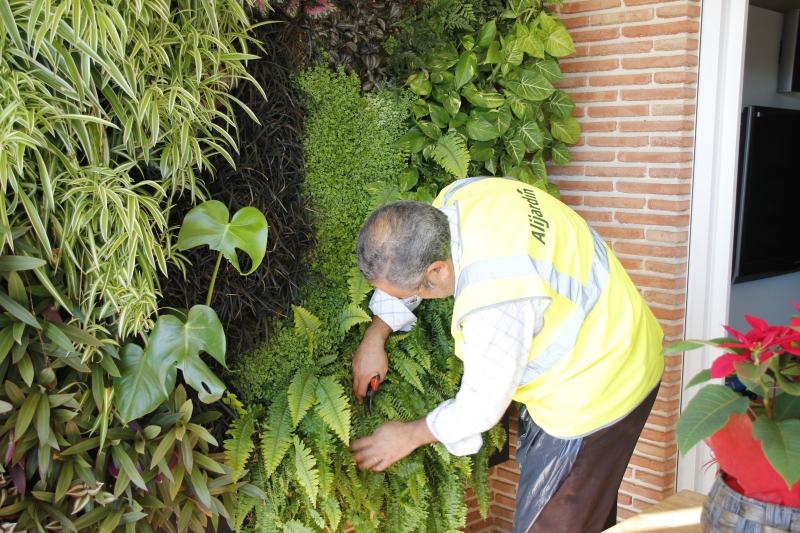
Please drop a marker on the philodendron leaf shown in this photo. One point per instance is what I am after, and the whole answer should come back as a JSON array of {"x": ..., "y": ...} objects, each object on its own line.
[
  {"x": 566, "y": 129},
  {"x": 208, "y": 224},
  {"x": 781, "y": 444},
  {"x": 706, "y": 413},
  {"x": 143, "y": 383},
  {"x": 180, "y": 343},
  {"x": 466, "y": 68},
  {"x": 486, "y": 34}
]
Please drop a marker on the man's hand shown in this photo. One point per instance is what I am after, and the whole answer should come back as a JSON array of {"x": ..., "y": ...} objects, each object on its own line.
[
  {"x": 391, "y": 442},
  {"x": 370, "y": 357}
]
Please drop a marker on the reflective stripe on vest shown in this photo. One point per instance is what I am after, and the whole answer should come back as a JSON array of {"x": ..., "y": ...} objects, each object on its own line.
[
  {"x": 584, "y": 295},
  {"x": 458, "y": 185}
]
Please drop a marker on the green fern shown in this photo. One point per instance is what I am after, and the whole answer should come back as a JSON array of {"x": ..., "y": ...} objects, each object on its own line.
[
  {"x": 333, "y": 512},
  {"x": 333, "y": 407},
  {"x": 350, "y": 316},
  {"x": 239, "y": 447},
  {"x": 358, "y": 285},
  {"x": 293, "y": 526},
  {"x": 306, "y": 324},
  {"x": 305, "y": 469},
  {"x": 410, "y": 370},
  {"x": 452, "y": 155},
  {"x": 301, "y": 394},
  {"x": 277, "y": 437}
]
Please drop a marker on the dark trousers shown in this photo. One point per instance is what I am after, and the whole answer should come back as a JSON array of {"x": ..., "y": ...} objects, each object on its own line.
[{"x": 570, "y": 486}]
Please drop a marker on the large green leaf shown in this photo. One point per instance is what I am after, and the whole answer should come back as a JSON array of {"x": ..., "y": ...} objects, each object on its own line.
[
  {"x": 466, "y": 69},
  {"x": 532, "y": 135},
  {"x": 531, "y": 86},
  {"x": 560, "y": 153},
  {"x": 480, "y": 129},
  {"x": 143, "y": 384},
  {"x": 559, "y": 104},
  {"x": 452, "y": 155},
  {"x": 566, "y": 129},
  {"x": 419, "y": 84},
  {"x": 486, "y": 34},
  {"x": 208, "y": 224},
  {"x": 333, "y": 408},
  {"x": 485, "y": 99},
  {"x": 781, "y": 444},
  {"x": 786, "y": 406},
  {"x": 557, "y": 41},
  {"x": 706, "y": 413},
  {"x": 301, "y": 394},
  {"x": 548, "y": 68},
  {"x": 146, "y": 378},
  {"x": 277, "y": 437},
  {"x": 178, "y": 342}
]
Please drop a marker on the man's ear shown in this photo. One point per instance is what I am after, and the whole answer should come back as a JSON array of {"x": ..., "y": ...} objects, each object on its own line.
[{"x": 435, "y": 268}]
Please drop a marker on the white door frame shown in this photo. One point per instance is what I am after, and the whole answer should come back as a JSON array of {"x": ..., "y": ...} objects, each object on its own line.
[{"x": 719, "y": 101}]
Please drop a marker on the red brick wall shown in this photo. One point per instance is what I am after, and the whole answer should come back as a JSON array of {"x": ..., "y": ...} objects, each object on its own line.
[{"x": 634, "y": 79}]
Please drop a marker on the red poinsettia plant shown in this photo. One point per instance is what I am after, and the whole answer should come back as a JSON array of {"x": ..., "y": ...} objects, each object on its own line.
[{"x": 752, "y": 421}]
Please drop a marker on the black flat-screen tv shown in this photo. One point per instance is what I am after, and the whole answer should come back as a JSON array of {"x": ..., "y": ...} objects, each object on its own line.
[{"x": 767, "y": 232}]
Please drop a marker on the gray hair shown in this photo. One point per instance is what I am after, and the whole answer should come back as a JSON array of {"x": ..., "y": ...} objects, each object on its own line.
[{"x": 400, "y": 240}]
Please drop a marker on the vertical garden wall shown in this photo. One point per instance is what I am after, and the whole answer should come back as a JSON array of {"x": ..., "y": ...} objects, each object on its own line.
[{"x": 124, "y": 405}]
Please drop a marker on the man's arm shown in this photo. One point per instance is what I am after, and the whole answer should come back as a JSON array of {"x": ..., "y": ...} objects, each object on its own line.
[
  {"x": 389, "y": 314},
  {"x": 497, "y": 342}
]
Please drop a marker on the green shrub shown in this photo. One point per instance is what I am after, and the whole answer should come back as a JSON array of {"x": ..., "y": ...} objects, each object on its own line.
[
  {"x": 486, "y": 103},
  {"x": 110, "y": 109},
  {"x": 302, "y": 377}
]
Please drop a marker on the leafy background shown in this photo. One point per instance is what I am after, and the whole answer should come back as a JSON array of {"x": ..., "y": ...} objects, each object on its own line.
[{"x": 116, "y": 120}]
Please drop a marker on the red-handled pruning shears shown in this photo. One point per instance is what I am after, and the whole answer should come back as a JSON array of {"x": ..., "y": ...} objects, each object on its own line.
[{"x": 372, "y": 388}]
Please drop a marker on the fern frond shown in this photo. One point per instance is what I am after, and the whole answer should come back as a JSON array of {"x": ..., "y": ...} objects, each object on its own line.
[
  {"x": 239, "y": 446},
  {"x": 350, "y": 316},
  {"x": 358, "y": 285},
  {"x": 301, "y": 394},
  {"x": 305, "y": 469},
  {"x": 410, "y": 371},
  {"x": 277, "y": 437},
  {"x": 333, "y": 407},
  {"x": 294, "y": 526},
  {"x": 333, "y": 513},
  {"x": 306, "y": 324},
  {"x": 452, "y": 155}
]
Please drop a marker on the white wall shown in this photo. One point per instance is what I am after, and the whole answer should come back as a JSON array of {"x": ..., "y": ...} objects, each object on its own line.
[{"x": 769, "y": 298}]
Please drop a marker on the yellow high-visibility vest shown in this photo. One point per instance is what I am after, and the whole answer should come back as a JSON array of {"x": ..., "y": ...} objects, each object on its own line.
[{"x": 598, "y": 354}]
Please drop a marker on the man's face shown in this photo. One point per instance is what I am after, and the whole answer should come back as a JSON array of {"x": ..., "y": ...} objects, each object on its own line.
[{"x": 440, "y": 278}]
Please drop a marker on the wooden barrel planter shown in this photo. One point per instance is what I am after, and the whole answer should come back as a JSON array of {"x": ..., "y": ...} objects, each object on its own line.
[{"x": 727, "y": 511}]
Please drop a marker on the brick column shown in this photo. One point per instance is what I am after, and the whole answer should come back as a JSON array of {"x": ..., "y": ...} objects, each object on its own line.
[{"x": 633, "y": 78}]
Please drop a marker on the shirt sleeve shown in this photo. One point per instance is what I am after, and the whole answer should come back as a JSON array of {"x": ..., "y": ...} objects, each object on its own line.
[
  {"x": 396, "y": 312},
  {"x": 497, "y": 341}
]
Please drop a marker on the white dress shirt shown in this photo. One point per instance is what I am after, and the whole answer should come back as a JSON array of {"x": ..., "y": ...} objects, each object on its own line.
[{"x": 497, "y": 341}]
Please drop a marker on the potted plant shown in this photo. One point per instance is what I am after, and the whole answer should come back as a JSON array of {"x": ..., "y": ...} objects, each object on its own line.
[{"x": 752, "y": 425}]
